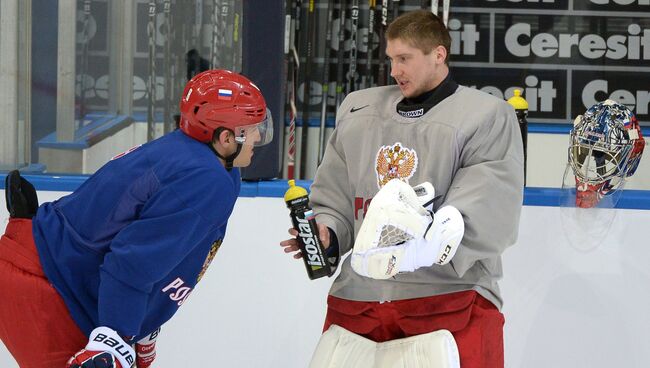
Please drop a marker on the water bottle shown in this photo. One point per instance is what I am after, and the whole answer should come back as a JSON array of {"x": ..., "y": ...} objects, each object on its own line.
[
  {"x": 304, "y": 221},
  {"x": 521, "y": 109}
]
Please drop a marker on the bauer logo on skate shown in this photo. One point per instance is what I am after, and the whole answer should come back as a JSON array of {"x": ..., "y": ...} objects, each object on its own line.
[
  {"x": 395, "y": 162},
  {"x": 177, "y": 292}
]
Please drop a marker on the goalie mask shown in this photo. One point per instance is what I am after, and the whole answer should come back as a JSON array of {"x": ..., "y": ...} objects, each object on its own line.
[
  {"x": 605, "y": 148},
  {"x": 606, "y": 145}
]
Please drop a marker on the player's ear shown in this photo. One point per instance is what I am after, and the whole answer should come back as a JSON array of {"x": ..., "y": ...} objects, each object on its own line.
[
  {"x": 223, "y": 137},
  {"x": 440, "y": 53}
]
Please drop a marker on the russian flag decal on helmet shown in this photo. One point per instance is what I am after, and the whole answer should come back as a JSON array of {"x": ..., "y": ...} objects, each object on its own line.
[{"x": 225, "y": 94}]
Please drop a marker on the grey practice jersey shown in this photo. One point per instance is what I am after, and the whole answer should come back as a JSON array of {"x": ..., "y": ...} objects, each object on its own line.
[{"x": 468, "y": 146}]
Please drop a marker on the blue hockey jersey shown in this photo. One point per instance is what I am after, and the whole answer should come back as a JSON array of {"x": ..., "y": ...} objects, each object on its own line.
[{"x": 127, "y": 248}]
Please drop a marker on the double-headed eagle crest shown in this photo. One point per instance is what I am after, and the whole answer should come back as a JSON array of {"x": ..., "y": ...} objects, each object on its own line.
[{"x": 395, "y": 161}]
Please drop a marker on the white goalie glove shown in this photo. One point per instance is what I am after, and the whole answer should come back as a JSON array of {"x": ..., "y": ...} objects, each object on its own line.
[{"x": 399, "y": 234}]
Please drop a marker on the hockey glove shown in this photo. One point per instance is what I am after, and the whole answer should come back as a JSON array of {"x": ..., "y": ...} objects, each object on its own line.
[
  {"x": 398, "y": 234},
  {"x": 438, "y": 245},
  {"x": 105, "y": 349},
  {"x": 145, "y": 350},
  {"x": 20, "y": 196}
]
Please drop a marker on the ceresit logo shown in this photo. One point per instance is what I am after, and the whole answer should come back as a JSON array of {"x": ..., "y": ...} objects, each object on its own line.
[
  {"x": 522, "y": 1},
  {"x": 638, "y": 100},
  {"x": 619, "y": 2},
  {"x": 539, "y": 94},
  {"x": 633, "y": 45},
  {"x": 464, "y": 37}
]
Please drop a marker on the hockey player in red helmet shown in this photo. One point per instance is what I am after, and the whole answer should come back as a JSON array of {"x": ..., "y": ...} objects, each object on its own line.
[
  {"x": 228, "y": 110},
  {"x": 98, "y": 272}
]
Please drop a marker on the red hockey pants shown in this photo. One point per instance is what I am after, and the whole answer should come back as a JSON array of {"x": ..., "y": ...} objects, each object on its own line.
[
  {"x": 477, "y": 325},
  {"x": 35, "y": 324}
]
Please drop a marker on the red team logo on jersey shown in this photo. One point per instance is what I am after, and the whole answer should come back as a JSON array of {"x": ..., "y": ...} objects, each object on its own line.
[{"x": 395, "y": 162}]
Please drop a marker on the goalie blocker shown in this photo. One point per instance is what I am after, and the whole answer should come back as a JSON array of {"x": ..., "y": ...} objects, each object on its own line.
[{"x": 400, "y": 233}]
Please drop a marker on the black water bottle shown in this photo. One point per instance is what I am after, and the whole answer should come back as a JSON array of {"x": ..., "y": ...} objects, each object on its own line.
[
  {"x": 304, "y": 221},
  {"x": 521, "y": 109}
]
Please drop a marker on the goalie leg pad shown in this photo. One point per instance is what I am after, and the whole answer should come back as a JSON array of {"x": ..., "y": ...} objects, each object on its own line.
[
  {"x": 435, "y": 349},
  {"x": 339, "y": 347}
]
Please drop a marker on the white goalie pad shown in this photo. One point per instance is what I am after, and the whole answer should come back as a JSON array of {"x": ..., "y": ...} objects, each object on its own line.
[
  {"x": 339, "y": 348},
  {"x": 395, "y": 216}
]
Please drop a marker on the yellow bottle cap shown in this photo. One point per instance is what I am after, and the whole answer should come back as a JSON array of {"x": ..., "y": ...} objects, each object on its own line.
[
  {"x": 518, "y": 102},
  {"x": 294, "y": 191}
]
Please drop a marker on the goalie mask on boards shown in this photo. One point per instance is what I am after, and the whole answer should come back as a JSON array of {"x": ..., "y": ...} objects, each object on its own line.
[{"x": 605, "y": 147}]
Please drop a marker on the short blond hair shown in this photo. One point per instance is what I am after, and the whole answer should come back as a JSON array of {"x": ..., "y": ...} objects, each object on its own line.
[{"x": 421, "y": 29}]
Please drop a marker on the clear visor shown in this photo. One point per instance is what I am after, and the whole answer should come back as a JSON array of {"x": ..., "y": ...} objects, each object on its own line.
[
  {"x": 587, "y": 209},
  {"x": 257, "y": 134}
]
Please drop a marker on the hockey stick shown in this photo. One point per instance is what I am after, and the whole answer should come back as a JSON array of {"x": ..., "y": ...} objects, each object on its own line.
[
  {"x": 84, "y": 63},
  {"x": 445, "y": 11},
  {"x": 167, "y": 111},
  {"x": 225, "y": 49},
  {"x": 368, "y": 80},
  {"x": 394, "y": 14},
  {"x": 395, "y": 9},
  {"x": 326, "y": 80},
  {"x": 198, "y": 27},
  {"x": 292, "y": 86},
  {"x": 352, "y": 68},
  {"x": 434, "y": 7},
  {"x": 340, "y": 53},
  {"x": 214, "y": 49},
  {"x": 236, "y": 31},
  {"x": 381, "y": 72},
  {"x": 151, "y": 32},
  {"x": 306, "y": 96}
]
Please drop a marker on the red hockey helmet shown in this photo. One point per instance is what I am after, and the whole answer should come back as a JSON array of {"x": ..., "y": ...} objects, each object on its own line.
[{"x": 223, "y": 99}]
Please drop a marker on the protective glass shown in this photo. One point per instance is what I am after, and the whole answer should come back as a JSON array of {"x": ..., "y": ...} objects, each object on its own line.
[{"x": 257, "y": 134}]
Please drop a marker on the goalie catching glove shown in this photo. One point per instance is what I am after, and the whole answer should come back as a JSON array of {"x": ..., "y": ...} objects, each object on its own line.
[
  {"x": 399, "y": 234},
  {"x": 105, "y": 349}
]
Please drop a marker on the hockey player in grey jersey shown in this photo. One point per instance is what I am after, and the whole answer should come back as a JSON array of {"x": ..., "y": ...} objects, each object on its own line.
[{"x": 426, "y": 128}]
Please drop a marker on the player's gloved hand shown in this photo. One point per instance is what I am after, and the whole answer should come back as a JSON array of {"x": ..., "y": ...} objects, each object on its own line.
[
  {"x": 398, "y": 233},
  {"x": 105, "y": 349},
  {"x": 145, "y": 350},
  {"x": 438, "y": 245},
  {"x": 20, "y": 196}
]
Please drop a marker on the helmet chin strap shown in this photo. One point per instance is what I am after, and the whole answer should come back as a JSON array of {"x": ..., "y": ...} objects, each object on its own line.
[{"x": 228, "y": 159}]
